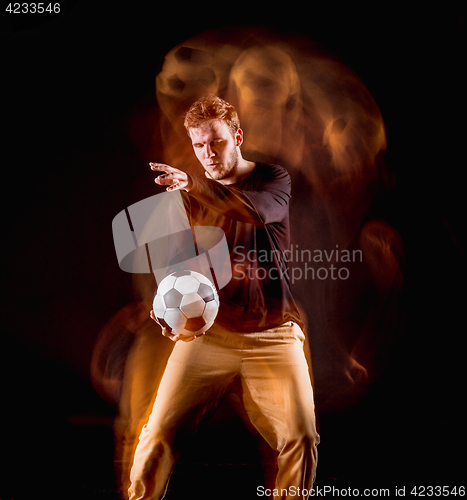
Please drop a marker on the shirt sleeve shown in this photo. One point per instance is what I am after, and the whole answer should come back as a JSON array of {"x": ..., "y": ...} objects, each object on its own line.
[{"x": 264, "y": 202}]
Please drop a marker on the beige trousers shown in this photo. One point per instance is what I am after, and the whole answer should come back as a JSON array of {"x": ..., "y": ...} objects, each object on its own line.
[{"x": 276, "y": 392}]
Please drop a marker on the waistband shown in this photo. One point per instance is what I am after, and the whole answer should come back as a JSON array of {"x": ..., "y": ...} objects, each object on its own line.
[{"x": 285, "y": 333}]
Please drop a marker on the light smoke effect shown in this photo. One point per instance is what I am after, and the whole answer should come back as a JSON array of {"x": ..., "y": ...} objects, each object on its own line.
[{"x": 302, "y": 109}]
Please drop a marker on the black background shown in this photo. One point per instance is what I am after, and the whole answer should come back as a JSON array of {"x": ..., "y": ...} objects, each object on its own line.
[{"x": 78, "y": 95}]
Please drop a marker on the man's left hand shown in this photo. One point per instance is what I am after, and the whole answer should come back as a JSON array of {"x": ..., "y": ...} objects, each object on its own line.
[{"x": 168, "y": 333}]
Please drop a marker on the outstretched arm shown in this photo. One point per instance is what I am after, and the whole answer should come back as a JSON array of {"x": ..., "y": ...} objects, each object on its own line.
[{"x": 267, "y": 204}]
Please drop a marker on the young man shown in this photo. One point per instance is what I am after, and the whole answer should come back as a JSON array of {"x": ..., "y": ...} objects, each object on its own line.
[{"x": 255, "y": 346}]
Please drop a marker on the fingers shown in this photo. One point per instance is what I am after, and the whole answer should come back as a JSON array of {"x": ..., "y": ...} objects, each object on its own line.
[
  {"x": 169, "y": 176},
  {"x": 168, "y": 333},
  {"x": 179, "y": 336},
  {"x": 153, "y": 317},
  {"x": 171, "y": 182},
  {"x": 170, "y": 172},
  {"x": 173, "y": 178},
  {"x": 161, "y": 167},
  {"x": 175, "y": 185}
]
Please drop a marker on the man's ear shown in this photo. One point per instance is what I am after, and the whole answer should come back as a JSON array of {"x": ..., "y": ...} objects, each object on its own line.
[{"x": 239, "y": 137}]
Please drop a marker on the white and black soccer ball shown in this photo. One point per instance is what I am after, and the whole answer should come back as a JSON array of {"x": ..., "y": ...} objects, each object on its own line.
[{"x": 186, "y": 302}]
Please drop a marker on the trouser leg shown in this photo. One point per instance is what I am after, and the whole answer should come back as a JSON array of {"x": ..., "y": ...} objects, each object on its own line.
[
  {"x": 194, "y": 383},
  {"x": 278, "y": 398}
]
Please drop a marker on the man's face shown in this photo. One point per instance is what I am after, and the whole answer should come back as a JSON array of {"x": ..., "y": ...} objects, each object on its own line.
[{"x": 216, "y": 149}]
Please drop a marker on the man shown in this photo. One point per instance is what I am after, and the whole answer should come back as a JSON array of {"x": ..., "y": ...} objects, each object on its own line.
[{"x": 255, "y": 347}]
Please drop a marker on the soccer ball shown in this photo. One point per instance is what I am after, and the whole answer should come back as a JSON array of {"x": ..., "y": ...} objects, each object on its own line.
[{"x": 186, "y": 302}]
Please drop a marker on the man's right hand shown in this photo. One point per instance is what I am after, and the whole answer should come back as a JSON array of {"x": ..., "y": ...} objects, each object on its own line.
[{"x": 173, "y": 178}]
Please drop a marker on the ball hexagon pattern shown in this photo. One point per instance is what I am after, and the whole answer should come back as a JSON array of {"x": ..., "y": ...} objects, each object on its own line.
[{"x": 186, "y": 302}]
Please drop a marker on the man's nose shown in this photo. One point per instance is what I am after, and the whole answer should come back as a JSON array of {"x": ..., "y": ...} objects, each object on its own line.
[{"x": 208, "y": 152}]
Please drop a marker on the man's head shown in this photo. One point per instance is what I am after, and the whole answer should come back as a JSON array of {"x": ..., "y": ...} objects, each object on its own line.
[
  {"x": 214, "y": 129},
  {"x": 210, "y": 108}
]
